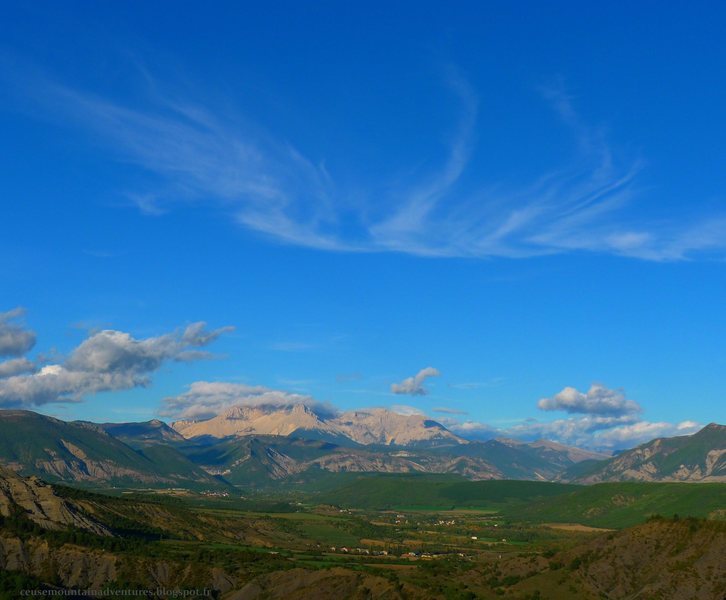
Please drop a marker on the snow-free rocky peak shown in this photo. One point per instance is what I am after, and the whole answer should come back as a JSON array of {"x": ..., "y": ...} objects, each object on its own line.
[{"x": 370, "y": 426}]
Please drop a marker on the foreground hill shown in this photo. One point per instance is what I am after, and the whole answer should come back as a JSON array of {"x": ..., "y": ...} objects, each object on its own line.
[
  {"x": 659, "y": 560},
  {"x": 700, "y": 457},
  {"x": 662, "y": 559},
  {"x": 58, "y": 539},
  {"x": 372, "y": 426},
  {"x": 34, "y": 444}
]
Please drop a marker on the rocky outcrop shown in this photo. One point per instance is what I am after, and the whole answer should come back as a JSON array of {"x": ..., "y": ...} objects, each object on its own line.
[
  {"x": 256, "y": 420},
  {"x": 76, "y": 567},
  {"x": 37, "y": 501},
  {"x": 72, "y": 566},
  {"x": 385, "y": 427}
]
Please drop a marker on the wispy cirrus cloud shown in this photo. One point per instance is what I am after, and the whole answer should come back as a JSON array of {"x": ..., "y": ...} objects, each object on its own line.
[
  {"x": 292, "y": 346},
  {"x": 476, "y": 385},
  {"x": 201, "y": 154},
  {"x": 449, "y": 411}
]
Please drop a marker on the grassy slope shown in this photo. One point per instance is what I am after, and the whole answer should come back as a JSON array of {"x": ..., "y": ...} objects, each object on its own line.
[
  {"x": 440, "y": 492},
  {"x": 613, "y": 505},
  {"x": 664, "y": 457},
  {"x": 691, "y": 450},
  {"x": 624, "y": 504},
  {"x": 31, "y": 439},
  {"x": 26, "y": 437},
  {"x": 174, "y": 463}
]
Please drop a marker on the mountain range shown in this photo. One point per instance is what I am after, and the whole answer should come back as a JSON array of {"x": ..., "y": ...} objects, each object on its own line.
[
  {"x": 262, "y": 446},
  {"x": 371, "y": 426},
  {"x": 84, "y": 452}
]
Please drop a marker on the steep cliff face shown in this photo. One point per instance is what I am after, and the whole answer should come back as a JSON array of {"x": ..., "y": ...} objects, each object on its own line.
[
  {"x": 76, "y": 567},
  {"x": 700, "y": 457},
  {"x": 372, "y": 426},
  {"x": 258, "y": 420},
  {"x": 37, "y": 501},
  {"x": 385, "y": 427},
  {"x": 71, "y": 566}
]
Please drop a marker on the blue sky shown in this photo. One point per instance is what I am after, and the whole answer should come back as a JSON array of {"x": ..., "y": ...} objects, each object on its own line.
[{"x": 527, "y": 199}]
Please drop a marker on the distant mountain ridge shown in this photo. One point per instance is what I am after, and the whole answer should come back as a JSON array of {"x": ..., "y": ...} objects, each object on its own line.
[
  {"x": 264, "y": 447},
  {"x": 142, "y": 434},
  {"x": 80, "y": 451},
  {"x": 700, "y": 457},
  {"x": 301, "y": 446},
  {"x": 370, "y": 426},
  {"x": 262, "y": 460}
]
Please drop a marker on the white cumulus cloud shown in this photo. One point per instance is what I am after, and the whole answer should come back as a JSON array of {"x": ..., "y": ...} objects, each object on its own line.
[
  {"x": 206, "y": 399},
  {"x": 603, "y": 418},
  {"x": 598, "y": 400},
  {"x": 106, "y": 360}
]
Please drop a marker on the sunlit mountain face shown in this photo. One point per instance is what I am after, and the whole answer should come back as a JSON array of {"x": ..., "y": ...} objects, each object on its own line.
[{"x": 370, "y": 426}]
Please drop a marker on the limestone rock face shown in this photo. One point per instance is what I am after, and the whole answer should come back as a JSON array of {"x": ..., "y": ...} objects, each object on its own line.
[
  {"x": 371, "y": 426},
  {"x": 258, "y": 420},
  {"x": 381, "y": 426},
  {"x": 76, "y": 567},
  {"x": 38, "y": 501}
]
